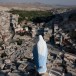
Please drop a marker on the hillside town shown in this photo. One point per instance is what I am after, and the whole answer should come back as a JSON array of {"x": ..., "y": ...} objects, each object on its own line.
[{"x": 17, "y": 41}]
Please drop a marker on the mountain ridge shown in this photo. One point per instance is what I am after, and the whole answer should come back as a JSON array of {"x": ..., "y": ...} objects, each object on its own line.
[{"x": 32, "y": 6}]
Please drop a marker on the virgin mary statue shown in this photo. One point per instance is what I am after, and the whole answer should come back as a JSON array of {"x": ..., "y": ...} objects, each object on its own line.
[{"x": 40, "y": 53}]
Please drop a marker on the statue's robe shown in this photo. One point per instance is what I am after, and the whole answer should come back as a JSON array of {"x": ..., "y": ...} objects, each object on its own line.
[{"x": 40, "y": 52}]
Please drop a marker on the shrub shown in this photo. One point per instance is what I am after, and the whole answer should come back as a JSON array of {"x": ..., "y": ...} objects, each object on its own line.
[{"x": 30, "y": 14}]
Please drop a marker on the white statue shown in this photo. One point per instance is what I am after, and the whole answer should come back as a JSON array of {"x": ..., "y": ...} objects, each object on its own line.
[{"x": 40, "y": 52}]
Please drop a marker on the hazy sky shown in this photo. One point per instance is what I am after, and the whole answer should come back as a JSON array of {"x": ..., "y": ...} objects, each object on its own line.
[{"x": 61, "y": 2}]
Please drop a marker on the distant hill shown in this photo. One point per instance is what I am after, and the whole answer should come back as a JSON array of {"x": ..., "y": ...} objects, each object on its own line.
[
  {"x": 32, "y": 6},
  {"x": 2, "y": 8},
  {"x": 26, "y": 6}
]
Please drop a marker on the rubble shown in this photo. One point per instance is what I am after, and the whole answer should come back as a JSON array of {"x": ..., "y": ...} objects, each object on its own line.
[
  {"x": 16, "y": 58},
  {"x": 22, "y": 67}
]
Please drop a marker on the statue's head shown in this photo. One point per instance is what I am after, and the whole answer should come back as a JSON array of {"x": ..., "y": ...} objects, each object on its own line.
[{"x": 40, "y": 38}]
